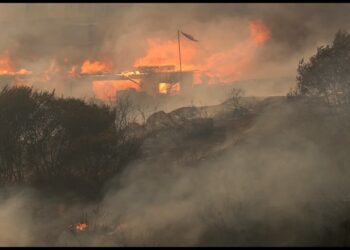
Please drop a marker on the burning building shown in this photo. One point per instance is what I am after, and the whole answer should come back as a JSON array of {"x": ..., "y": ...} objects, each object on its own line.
[
  {"x": 165, "y": 80},
  {"x": 152, "y": 80},
  {"x": 83, "y": 64}
]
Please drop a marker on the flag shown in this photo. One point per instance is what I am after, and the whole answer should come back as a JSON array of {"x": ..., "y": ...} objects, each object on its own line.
[{"x": 189, "y": 37}]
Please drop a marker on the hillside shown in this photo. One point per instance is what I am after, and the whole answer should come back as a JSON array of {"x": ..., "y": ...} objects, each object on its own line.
[{"x": 272, "y": 175}]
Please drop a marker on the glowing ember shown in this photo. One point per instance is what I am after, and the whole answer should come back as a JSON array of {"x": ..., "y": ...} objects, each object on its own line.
[{"x": 95, "y": 67}]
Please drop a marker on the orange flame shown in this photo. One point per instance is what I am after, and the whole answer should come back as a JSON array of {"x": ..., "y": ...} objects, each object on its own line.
[
  {"x": 7, "y": 67},
  {"x": 95, "y": 67},
  {"x": 224, "y": 66},
  {"x": 161, "y": 53},
  {"x": 81, "y": 226},
  {"x": 107, "y": 90},
  {"x": 73, "y": 72},
  {"x": 167, "y": 88},
  {"x": 221, "y": 66},
  {"x": 259, "y": 32},
  {"x": 230, "y": 65}
]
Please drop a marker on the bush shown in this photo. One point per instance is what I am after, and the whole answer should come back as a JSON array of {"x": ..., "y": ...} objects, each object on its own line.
[
  {"x": 327, "y": 74},
  {"x": 43, "y": 137}
]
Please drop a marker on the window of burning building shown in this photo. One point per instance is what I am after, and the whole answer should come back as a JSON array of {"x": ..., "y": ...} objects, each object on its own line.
[{"x": 168, "y": 88}]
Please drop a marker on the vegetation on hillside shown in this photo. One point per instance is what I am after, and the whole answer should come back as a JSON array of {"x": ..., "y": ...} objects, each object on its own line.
[{"x": 44, "y": 138}]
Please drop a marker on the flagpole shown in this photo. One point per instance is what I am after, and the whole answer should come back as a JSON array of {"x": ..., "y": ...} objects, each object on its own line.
[{"x": 178, "y": 38}]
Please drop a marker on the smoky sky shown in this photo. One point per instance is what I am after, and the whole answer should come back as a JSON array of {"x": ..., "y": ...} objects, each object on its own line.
[{"x": 34, "y": 32}]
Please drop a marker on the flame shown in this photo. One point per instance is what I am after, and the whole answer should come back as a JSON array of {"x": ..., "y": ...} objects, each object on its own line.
[
  {"x": 259, "y": 32},
  {"x": 167, "y": 88},
  {"x": 95, "y": 67},
  {"x": 230, "y": 65},
  {"x": 7, "y": 67},
  {"x": 131, "y": 73},
  {"x": 23, "y": 72},
  {"x": 107, "y": 90},
  {"x": 163, "y": 88},
  {"x": 162, "y": 53},
  {"x": 73, "y": 72},
  {"x": 220, "y": 67},
  {"x": 79, "y": 227}
]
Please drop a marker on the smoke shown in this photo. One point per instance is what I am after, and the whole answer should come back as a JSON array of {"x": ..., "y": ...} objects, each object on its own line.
[
  {"x": 251, "y": 183},
  {"x": 173, "y": 204},
  {"x": 36, "y": 34},
  {"x": 16, "y": 219},
  {"x": 253, "y": 187}
]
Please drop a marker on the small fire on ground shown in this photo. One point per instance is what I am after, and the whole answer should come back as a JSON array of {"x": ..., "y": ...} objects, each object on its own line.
[{"x": 79, "y": 227}]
